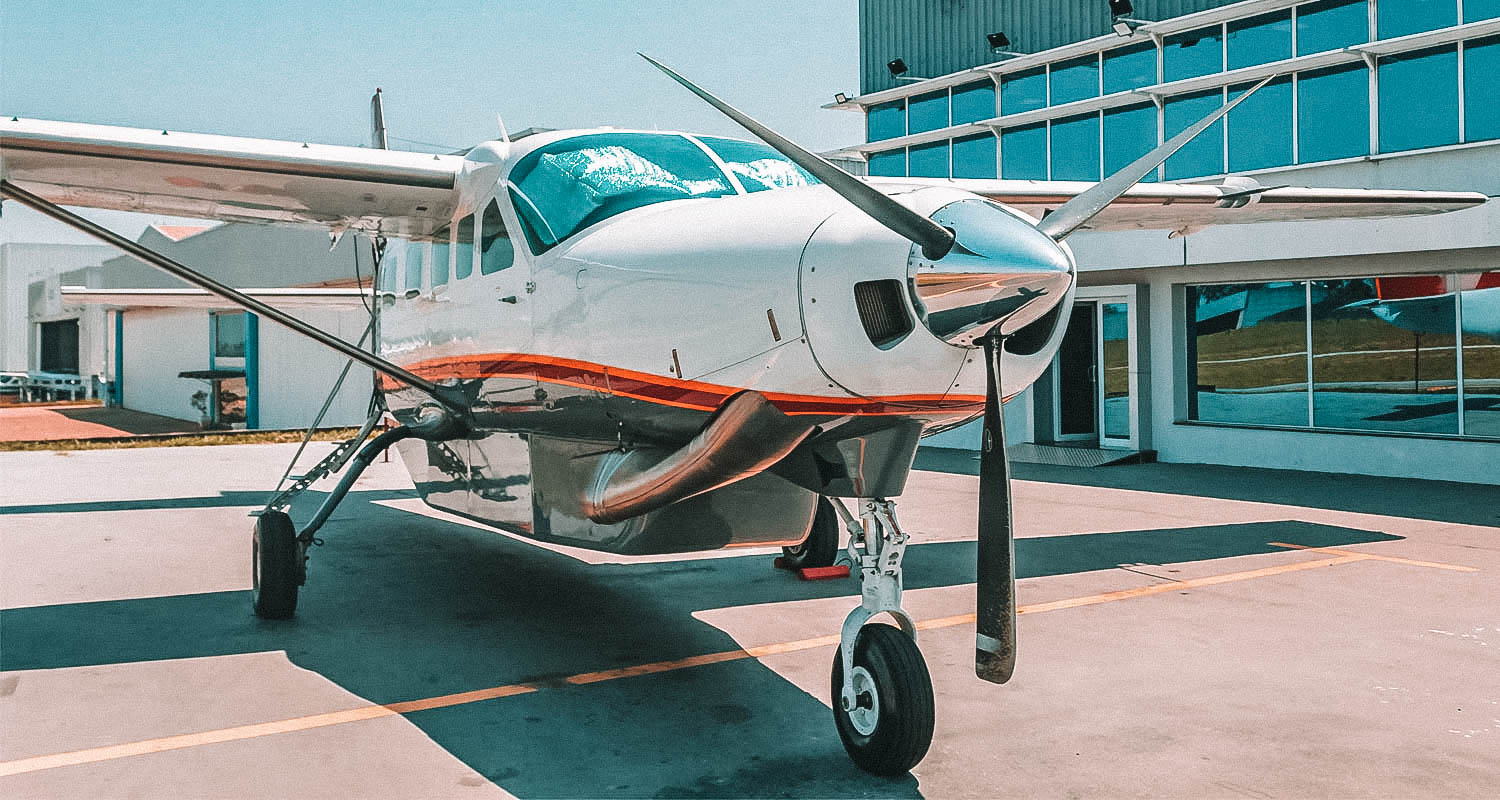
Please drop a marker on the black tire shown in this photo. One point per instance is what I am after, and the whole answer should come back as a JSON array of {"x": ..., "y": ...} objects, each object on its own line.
[
  {"x": 821, "y": 547},
  {"x": 276, "y": 557},
  {"x": 903, "y": 704}
]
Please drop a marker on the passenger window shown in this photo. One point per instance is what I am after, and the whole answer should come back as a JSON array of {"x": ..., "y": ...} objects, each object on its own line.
[
  {"x": 414, "y": 266},
  {"x": 463, "y": 248},
  {"x": 440, "y": 257},
  {"x": 496, "y": 251}
]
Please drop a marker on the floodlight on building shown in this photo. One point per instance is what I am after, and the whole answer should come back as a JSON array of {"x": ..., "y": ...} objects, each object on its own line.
[
  {"x": 1000, "y": 44},
  {"x": 1120, "y": 19},
  {"x": 898, "y": 71},
  {"x": 840, "y": 98}
]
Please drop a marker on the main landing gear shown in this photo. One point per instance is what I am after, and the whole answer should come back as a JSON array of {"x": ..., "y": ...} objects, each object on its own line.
[
  {"x": 882, "y": 693},
  {"x": 821, "y": 547}
]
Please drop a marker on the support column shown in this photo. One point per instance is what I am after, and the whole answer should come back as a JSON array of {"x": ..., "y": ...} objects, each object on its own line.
[{"x": 252, "y": 371}]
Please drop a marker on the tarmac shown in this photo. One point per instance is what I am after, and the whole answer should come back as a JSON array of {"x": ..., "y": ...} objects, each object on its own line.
[{"x": 1186, "y": 631}]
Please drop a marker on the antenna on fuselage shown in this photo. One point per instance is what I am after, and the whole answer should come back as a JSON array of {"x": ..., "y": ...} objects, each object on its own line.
[{"x": 377, "y": 123}]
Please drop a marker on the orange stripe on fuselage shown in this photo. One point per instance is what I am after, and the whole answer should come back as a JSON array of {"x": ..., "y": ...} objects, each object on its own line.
[{"x": 676, "y": 392}]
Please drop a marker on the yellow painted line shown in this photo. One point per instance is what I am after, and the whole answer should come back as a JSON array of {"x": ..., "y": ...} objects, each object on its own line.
[
  {"x": 1392, "y": 559},
  {"x": 111, "y": 752}
]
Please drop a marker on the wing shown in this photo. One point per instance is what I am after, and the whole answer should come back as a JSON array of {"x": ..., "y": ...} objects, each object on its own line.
[
  {"x": 1187, "y": 207},
  {"x": 229, "y": 178}
]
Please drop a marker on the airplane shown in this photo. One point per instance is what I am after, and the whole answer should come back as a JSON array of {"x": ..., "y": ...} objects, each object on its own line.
[
  {"x": 1425, "y": 304},
  {"x": 648, "y": 342}
]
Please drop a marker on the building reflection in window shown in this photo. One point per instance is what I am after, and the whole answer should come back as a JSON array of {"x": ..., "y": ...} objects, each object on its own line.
[
  {"x": 1384, "y": 355},
  {"x": 1479, "y": 298},
  {"x": 1248, "y": 353}
]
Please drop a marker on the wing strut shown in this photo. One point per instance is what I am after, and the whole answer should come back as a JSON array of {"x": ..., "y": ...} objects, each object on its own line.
[{"x": 446, "y": 395}]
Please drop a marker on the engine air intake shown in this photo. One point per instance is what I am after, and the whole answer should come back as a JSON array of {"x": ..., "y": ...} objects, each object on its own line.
[{"x": 882, "y": 311}]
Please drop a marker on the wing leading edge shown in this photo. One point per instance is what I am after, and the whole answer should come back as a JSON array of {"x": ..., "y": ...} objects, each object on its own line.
[
  {"x": 230, "y": 178},
  {"x": 1187, "y": 207}
]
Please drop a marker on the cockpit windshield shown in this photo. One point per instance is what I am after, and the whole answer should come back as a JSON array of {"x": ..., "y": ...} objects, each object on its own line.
[{"x": 568, "y": 185}]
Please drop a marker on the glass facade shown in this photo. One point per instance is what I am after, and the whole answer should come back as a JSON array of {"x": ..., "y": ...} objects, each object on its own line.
[
  {"x": 885, "y": 121},
  {"x": 927, "y": 112},
  {"x": 1476, "y": 10},
  {"x": 1385, "y": 354},
  {"x": 1075, "y": 148},
  {"x": 928, "y": 160},
  {"x": 1127, "y": 68},
  {"x": 1023, "y": 152},
  {"x": 1129, "y": 133},
  {"x": 1402, "y": 17},
  {"x": 1431, "y": 75},
  {"x": 1258, "y": 40},
  {"x": 1481, "y": 85},
  {"x": 1204, "y": 155},
  {"x": 1332, "y": 25},
  {"x": 1191, "y": 54},
  {"x": 1074, "y": 80},
  {"x": 1023, "y": 91},
  {"x": 888, "y": 163},
  {"x": 973, "y": 102},
  {"x": 1333, "y": 113},
  {"x": 975, "y": 157},
  {"x": 1260, "y": 129}
]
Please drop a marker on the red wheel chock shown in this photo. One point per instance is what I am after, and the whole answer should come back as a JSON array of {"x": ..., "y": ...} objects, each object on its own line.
[{"x": 814, "y": 573}]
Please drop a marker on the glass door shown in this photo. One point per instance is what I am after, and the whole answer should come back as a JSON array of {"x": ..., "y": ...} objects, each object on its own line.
[
  {"x": 1114, "y": 374},
  {"x": 1076, "y": 369},
  {"x": 1093, "y": 398}
]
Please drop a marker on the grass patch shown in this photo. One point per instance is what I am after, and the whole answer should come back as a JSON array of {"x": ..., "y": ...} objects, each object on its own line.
[{"x": 205, "y": 439}]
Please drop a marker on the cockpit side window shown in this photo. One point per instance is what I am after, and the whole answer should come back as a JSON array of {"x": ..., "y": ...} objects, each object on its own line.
[
  {"x": 495, "y": 250},
  {"x": 757, "y": 166},
  {"x": 568, "y": 185},
  {"x": 463, "y": 248}
]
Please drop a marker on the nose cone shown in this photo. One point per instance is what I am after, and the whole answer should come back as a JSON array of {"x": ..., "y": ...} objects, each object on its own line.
[{"x": 1001, "y": 272}]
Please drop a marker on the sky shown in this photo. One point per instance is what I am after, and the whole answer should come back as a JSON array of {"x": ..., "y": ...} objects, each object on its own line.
[{"x": 305, "y": 70}]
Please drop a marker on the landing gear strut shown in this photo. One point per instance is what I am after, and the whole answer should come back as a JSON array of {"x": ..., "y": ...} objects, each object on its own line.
[{"x": 882, "y": 693}]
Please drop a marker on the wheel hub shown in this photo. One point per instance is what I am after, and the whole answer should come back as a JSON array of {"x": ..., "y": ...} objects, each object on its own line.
[{"x": 866, "y": 711}]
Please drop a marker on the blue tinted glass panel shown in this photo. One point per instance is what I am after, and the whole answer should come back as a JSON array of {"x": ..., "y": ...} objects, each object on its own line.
[
  {"x": 1023, "y": 153},
  {"x": 889, "y": 163},
  {"x": 974, "y": 157},
  {"x": 415, "y": 253},
  {"x": 1475, "y": 10},
  {"x": 928, "y": 160},
  {"x": 440, "y": 256},
  {"x": 1075, "y": 80},
  {"x": 1204, "y": 155},
  {"x": 1188, "y": 55},
  {"x": 927, "y": 112},
  {"x": 1023, "y": 91},
  {"x": 1419, "y": 99},
  {"x": 1383, "y": 355},
  {"x": 1331, "y": 25},
  {"x": 1258, "y": 40},
  {"x": 1481, "y": 84},
  {"x": 885, "y": 121},
  {"x": 1127, "y": 68},
  {"x": 1248, "y": 353},
  {"x": 1129, "y": 133},
  {"x": 1075, "y": 148},
  {"x": 973, "y": 102},
  {"x": 1333, "y": 113},
  {"x": 1480, "y": 298},
  {"x": 1260, "y": 129},
  {"x": 1399, "y": 17},
  {"x": 463, "y": 248}
]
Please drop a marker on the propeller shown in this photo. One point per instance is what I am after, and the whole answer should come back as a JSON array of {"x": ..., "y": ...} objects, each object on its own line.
[
  {"x": 995, "y": 609},
  {"x": 934, "y": 239}
]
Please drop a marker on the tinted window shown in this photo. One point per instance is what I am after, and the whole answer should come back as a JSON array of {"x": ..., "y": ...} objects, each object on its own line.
[
  {"x": 974, "y": 157},
  {"x": 571, "y": 184},
  {"x": 1419, "y": 99},
  {"x": 463, "y": 248},
  {"x": 415, "y": 252},
  {"x": 1384, "y": 356},
  {"x": 229, "y": 334},
  {"x": 1331, "y": 25},
  {"x": 1023, "y": 152},
  {"x": 928, "y": 160},
  {"x": 757, "y": 166},
  {"x": 1260, "y": 129},
  {"x": 1129, "y": 133},
  {"x": 1204, "y": 155},
  {"x": 1127, "y": 68},
  {"x": 1247, "y": 353},
  {"x": 1023, "y": 91},
  {"x": 1400, "y": 17},
  {"x": 1333, "y": 113},
  {"x": 1075, "y": 148},
  {"x": 1077, "y": 79},
  {"x": 888, "y": 163},
  {"x": 440, "y": 258},
  {"x": 495, "y": 250},
  {"x": 1114, "y": 335},
  {"x": 1480, "y": 298},
  {"x": 1188, "y": 55},
  {"x": 973, "y": 102},
  {"x": 1475, "y": 10},
  {"x": 1258, "y": 40},
  {"x": 885, "y": 121},
  {"x": 1481, "y": 80},
  {"x": 927, "y": 112},
  {"x": 390, "y": 262}
]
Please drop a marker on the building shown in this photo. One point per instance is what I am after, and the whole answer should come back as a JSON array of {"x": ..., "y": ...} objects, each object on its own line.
[
  {"x": 1347, "y": 346},
  {"x": 37, "y": 334}
]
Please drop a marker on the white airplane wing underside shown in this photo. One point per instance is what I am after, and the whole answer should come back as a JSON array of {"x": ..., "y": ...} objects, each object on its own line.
[
  {"x": 198, "y": 298},
  {"x": 230, "y": 178},
  {"x": 1187, "y": 207}
]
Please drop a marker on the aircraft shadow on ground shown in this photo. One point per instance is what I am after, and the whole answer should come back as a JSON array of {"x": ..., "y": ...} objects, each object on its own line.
[{"x": 400, "y": 607}]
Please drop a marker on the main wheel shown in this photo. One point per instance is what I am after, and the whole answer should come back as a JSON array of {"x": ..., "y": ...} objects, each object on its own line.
[
  {"x": 821, "y": 546},
  {"x": 890, "y": 726},
  {"x": 276, "y": 557}
]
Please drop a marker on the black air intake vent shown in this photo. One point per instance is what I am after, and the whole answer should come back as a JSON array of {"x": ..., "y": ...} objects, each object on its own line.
[{"x": 882, "y": 310}]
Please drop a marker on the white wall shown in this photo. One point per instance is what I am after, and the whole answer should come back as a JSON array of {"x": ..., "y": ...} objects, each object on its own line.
[
  {"x": 296, "y": 373},
  {"x": 158, "y": 344}
]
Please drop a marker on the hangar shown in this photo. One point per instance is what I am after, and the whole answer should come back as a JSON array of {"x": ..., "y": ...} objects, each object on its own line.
[{"x": 1346, "y": 346}]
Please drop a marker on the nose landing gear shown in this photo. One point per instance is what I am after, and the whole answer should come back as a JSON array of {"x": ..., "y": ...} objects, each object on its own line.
[{"x": 882, "y": 694}]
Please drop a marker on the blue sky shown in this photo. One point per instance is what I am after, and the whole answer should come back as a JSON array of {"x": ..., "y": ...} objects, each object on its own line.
[{"x": 305, "y": 70}]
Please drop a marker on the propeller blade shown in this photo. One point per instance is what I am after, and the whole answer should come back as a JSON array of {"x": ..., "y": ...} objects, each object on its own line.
[
  {"x": 1076, "y": 213},
  {"x": 934, "y": 239},
  {"x": 995, "y": 611}
]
